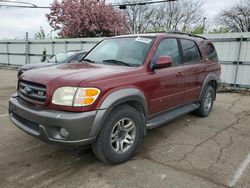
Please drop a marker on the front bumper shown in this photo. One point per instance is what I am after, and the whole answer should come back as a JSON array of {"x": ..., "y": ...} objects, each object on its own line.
[{"x": 45, "y": 124}]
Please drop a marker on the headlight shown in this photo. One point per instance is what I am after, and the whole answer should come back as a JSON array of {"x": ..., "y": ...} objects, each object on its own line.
[
  {"x": 86, "y": 96},
  {"x": 73, "y": 96}
]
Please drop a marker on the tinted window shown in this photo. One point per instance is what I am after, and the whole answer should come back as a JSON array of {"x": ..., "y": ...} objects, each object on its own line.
[
  {"x": 190, "y": 51},
  {"x": 210, "y": 51},
  {"x": 61, "y": 57},
  {"x": 169, "y": 47}
]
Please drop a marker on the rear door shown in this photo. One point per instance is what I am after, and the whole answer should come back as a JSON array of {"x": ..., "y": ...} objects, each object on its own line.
[
  {"x": 168, "y": 82},
  {"x": 193, "y": 69}
]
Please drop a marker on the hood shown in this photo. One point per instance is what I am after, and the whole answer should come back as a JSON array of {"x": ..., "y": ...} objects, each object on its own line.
[
  {"x": 35, "y": 65},
  {"x": 72, "y": 74}
]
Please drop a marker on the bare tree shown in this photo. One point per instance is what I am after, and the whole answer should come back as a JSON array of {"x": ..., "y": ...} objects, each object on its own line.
[
  {"x": 247, "y": 3},
  {"x": 139, "y": 17},
  {"x": 180, "y": 15},
  {"x": 236, "y": 18}
]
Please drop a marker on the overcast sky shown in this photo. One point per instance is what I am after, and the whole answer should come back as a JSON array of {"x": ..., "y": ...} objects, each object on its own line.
[{"x": 14, "y": 22}]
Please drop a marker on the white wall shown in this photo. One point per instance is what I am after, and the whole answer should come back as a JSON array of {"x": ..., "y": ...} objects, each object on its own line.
[
  {"x": 228, "y": 52},
  {"x": 226, "y": 44},
  {"x": 37, "y": 46}
]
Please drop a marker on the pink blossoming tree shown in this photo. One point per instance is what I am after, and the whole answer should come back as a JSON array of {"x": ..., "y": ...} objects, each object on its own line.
[{"x": 86, "y": 18}]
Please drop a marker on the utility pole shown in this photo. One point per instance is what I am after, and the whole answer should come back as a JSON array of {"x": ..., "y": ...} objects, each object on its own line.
[
  {"x": 27, "y": 48},
  {"x": 204, "y": 25}
]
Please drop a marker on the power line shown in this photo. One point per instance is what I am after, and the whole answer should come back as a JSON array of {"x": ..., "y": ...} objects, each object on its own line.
[
  {"x": 124, "y": 6},
  {"x": 121, "y": 6},
  {"x": 19, "y": 4},
  {"x": 142, "y": 3}
]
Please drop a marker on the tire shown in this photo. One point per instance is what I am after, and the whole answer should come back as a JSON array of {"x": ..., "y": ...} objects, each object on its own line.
[
  {"x": 206, "y": 103},
  {"x": 123, "y": 127}
]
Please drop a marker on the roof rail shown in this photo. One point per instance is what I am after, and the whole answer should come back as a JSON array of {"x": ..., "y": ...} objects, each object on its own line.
[{"x": 182, "y": 33}]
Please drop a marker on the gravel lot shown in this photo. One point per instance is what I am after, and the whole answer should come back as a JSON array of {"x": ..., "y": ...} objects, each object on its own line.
[{"x": 188, "y": 152}]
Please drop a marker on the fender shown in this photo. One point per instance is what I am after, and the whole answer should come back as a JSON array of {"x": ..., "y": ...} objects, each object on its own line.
[
  {"x": 114, "y": 99},
  {"x": 209, "y": 77}
]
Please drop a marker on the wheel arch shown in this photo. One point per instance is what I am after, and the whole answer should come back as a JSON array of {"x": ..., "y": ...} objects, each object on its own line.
[
  {"x": 129, "y": 96},
  {"x": 212, "y": 80}
]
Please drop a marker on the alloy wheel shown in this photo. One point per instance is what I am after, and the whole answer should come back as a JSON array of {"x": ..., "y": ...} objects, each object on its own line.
[{"x": 123, "y": 135}]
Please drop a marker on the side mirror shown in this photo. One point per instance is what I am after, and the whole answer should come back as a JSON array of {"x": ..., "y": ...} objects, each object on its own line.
[{"x": 163, "y": 62}]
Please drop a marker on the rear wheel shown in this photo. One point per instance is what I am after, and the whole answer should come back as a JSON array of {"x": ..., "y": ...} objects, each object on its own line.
[
  {"x": 120, "y": 136},
  {"x": 206, "y": 102}
]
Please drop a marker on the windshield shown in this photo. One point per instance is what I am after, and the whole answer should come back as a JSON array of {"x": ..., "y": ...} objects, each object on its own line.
[
  {"x": 61, "y": 57},
  {"x": 121, "y": 51}
]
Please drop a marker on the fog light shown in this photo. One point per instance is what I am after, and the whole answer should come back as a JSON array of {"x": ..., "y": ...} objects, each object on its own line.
[{"x": 64, "y": 133}]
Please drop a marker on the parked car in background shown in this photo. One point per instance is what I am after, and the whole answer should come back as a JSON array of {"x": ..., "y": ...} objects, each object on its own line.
[
  {"x": 63, "y": 57},
  {"x": 126, "y": 85}
]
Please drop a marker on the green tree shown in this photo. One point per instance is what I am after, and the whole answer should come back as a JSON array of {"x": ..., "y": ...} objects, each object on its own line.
[
  {"x": 220, "y": 29},
  {"x": 198, "y": 30}
]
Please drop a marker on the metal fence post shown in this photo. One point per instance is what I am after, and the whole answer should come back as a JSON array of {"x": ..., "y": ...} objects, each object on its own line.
[
  {"x": 238, "y": 62},
  {"x": 81, "y": 45},
  {"x": 8, "y": 56},
  {"x": 27, "y": 60},
  {"x": 65, "y": 46},
  {"x": 53, "y": 48}
]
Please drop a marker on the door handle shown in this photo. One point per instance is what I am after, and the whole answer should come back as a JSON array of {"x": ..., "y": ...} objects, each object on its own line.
[{"x": 179, "y": 74}]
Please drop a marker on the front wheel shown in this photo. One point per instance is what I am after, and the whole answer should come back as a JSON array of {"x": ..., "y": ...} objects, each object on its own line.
[
  {"x": 206, "y": 103},
  {"x": 120, "y": 136}
]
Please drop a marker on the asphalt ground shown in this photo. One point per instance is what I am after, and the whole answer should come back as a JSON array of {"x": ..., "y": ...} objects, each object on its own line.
[{"x": 188, "y": 152}]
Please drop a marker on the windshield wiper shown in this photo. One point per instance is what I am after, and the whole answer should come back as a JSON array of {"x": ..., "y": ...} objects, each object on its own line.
[
  {"x": 88, "y": 60},
  {"x": 113, "y": 61}
]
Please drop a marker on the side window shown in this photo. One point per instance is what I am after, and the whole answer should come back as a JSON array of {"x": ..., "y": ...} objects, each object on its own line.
[
  {"x": 168, "y": 47},
  {"x": 190, "y": 52},
  {"x": 210, "y": 52}
]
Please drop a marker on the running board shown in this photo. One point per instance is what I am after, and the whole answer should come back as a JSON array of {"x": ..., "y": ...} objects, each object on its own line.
[{"x": 169, "y": 116}]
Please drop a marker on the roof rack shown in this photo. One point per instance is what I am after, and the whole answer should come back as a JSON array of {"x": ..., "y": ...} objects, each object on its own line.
[{"x": 182, "y": 33}]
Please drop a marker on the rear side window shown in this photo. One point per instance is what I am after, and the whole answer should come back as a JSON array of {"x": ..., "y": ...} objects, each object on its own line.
[
  {"x": 169, "y": 47},
  {"x": 210, "y": 51},
  {"x": 190, "y": 52}
]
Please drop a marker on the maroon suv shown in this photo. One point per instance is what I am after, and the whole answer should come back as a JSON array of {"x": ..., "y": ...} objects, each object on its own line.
[{"x": 124, "y": 86}]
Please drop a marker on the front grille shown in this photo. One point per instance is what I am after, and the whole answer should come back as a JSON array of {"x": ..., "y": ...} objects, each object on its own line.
[{"x": 32, "y": 92}]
